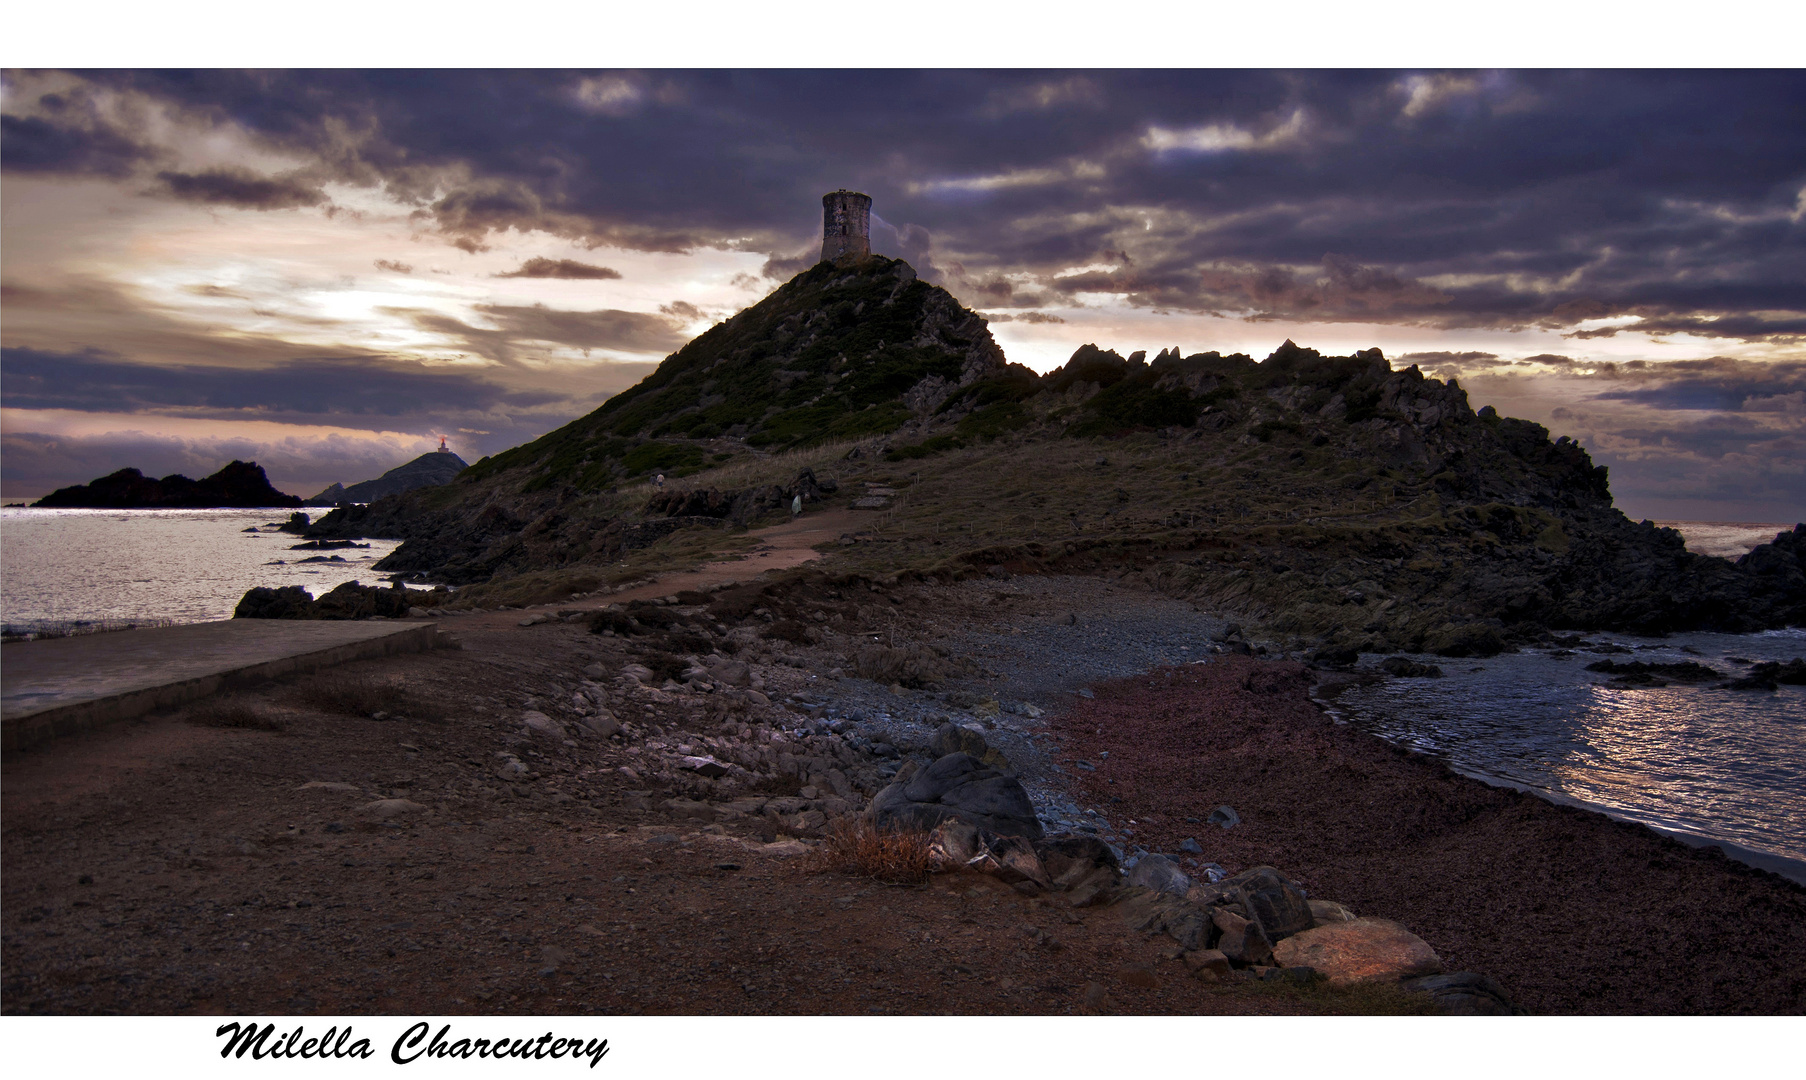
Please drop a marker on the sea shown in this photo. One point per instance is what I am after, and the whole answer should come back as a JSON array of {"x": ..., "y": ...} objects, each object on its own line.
[
  {"x": 75, "y": 571},
  {"x": 1706, "y": 765}
]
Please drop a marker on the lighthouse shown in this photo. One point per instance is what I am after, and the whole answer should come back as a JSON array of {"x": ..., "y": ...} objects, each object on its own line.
[{"x": 846, "y": 225}]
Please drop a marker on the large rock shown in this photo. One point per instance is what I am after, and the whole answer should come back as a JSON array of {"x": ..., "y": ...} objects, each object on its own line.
[
  {"x": 1464, "y": 993},
  {"x": 348, "y": 601},
  {"x": 1241, "y": 939},
  {"x": 960, "y": 739},
  {"x": 1363, "y": 950},
  {"x": 958, "y": 787},
  {"x": 1074, "y": 858},
  {"x": 1161, "y": 874},
  {"x": 288, "y": 602},
  {"x": 1272, "y": 901}
]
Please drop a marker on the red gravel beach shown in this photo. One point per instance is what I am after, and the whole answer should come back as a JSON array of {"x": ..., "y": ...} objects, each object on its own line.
[{"x": 1571, "y": 911}]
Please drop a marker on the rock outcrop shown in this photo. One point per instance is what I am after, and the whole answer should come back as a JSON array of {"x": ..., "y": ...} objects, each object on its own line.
[
  {"x": 348, "y": 601},
  {"x": 958, "y": 787}
]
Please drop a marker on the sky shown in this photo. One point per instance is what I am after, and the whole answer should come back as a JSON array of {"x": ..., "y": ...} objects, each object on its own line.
[{"x": 327, "y": 270}]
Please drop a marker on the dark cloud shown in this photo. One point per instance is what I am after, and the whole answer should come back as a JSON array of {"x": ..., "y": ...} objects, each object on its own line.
[
  {"x": 537, "y": 267},
  {"x": 92, "y": 381},
  {"x": 1463, "y": 199},
  {"x": 31, "y": 144},
  {"x": 510, "y": 341},
  {"x": 394, "y": 266},
  {"x": 241, "y": 188}
]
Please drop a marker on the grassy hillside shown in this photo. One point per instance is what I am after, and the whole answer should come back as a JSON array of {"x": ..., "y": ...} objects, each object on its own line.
[{"x": 1331, "y": 500}]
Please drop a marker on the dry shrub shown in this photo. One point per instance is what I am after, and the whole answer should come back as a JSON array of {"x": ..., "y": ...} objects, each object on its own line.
[
  {"x": 228, "y": 713},
  {"x": 354, "y": 695},
  {"x": 912, "y": 665},
  {"x": 791, "y": 630},
  {"x": 855, "y": 846},
  {"x": 663, "y": 665}
]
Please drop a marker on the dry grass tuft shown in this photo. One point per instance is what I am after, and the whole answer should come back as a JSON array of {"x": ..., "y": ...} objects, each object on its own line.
[
  {"x": 855, "y": 846},
  {"x": 228, "y": 713},
  {"x": 354, "y": 695}
]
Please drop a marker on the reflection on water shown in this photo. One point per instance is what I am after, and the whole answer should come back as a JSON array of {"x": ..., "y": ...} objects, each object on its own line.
[
  {"x": 1723, "y": 764},
  {"x": 1726, "y": 539},
  {"x": 60, "y": 566}
]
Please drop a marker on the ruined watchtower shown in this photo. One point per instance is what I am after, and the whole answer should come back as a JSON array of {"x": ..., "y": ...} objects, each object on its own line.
[{"x": 846, "y": 225}]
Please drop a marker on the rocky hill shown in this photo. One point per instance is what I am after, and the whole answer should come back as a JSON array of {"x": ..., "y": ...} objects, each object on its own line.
[
  {"x": 239, "y": 484},
  {"x": 427, "y": 470},
  {"x": 1333, "y": 501}
]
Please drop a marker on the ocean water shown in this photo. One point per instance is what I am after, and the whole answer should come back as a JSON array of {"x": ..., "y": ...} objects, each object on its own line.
[
  {"x": 1725, "y": 767},
  {"x": 62, "y": 568},
  {"x": 1725, "y": 539}
]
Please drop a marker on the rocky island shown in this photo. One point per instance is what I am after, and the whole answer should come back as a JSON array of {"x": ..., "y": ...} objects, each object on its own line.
[{"x": 241, "y": 484}]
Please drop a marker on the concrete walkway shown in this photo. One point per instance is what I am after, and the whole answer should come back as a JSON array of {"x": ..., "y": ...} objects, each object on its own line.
[{"x": 63, "y": 685}]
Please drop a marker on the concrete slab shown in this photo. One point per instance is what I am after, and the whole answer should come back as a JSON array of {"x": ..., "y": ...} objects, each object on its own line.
[{"x": 63, "y": 685}]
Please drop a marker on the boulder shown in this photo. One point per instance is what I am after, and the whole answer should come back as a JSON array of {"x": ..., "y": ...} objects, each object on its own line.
[
  {"x": 958, "y": 787},
  {"x": 1404, "y": 667},
  {"x": 1073, "y": 858},
  {"x": 602, "y": 724},
  {"x": 1011, "y": 859},
  {"x": 289, "y": 602},
  {"x": 953, "y": 844},
  {"x": 383, "y": 809},
  {"x": 1361, "y": 950},
  {"x": 1464, "y": 993},
  {"x": 1208, "y": 964},
  {"x": 354, "y": 601},
  {"x": 1272, "y": 901},
  {"x": 1328, "y": 911},
  {"x": 542, "y": 723},
  {"x": 1141, "y": 908},
  {"x": 1161, "y": 874},
  {"x": 1241, "y": 940},
  {"x": 348, "y": 601},
  {"x": 1224, "y": 816},
  {"x": 961, "y": 739}
]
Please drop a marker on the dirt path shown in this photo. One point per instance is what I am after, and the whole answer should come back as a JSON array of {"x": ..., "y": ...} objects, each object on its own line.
[{"x": 780, "y": 547}]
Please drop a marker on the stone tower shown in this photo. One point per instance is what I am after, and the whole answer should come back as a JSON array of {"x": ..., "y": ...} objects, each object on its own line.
[{"x": 846, "y": 225}]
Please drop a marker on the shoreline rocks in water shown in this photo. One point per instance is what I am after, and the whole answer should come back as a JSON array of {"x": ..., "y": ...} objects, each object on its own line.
[
  {"x": 241, "y": 484},
  {"x": 349, "y": 601}
]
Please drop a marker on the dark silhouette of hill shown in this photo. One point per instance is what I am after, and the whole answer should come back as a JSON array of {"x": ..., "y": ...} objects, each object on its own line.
[
  {"x": 427, "y": 470},
  {"x": 239, "y": 484}
]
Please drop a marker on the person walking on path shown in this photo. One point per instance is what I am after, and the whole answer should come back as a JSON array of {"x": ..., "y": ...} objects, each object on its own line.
[{"x": 659, "y": 481}]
